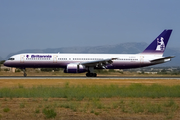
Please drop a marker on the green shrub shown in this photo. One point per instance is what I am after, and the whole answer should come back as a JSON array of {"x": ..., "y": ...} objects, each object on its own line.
[
  {"x": 112, "y": 70},
  {"x": 37, "y": 111},
  {"x": 2, "y": 62},
  {"x": 49, "y": 113},
  {"x": 50, "y": 69},
  {"x": 169, "y": 103},
  {"x": 101, "y": 71},
  {"x": 6, "y": 109},
  {"x": 72, "y": 105},
  {"x": 20, "y": 86},
  {"x": 153, "y": 108},
  {"x": 96, "y": 113},
  {"x": 22, "y": 105},
  {"x": 6, "y": 69},
  {"x": 18, "y": 70}
]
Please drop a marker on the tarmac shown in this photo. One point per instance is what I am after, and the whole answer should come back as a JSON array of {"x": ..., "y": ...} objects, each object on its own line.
[{"x": 83, "y": 77}]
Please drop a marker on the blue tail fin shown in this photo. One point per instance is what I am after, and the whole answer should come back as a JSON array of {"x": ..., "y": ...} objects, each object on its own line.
[{"x": 158, "y": 46}]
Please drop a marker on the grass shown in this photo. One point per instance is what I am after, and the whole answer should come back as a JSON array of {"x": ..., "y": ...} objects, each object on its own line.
[
  {"x": 55, "y": 108},
  {"x": 80, "y": 92},
  {"x": 37, "y": 111},
  {"x": 6, "y": 109},
  {"x": 49, "y": 113},
  {"x": 22, "y": 105},
  {"x": 97, "y": 106},
  {"x": 61, "y": 82},
  {"x": 80, "y": 100},
  {"x": 71, "y": 105}
]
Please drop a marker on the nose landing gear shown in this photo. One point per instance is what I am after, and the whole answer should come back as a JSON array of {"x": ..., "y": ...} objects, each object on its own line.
[{"x": 24, "y": 72}]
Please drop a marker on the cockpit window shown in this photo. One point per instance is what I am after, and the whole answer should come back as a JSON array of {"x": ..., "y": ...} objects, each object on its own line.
[{"x": 11, "y": 59}]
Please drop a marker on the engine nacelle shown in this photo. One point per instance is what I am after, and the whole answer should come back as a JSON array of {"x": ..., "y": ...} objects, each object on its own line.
[{"x": 74, "y": 68}]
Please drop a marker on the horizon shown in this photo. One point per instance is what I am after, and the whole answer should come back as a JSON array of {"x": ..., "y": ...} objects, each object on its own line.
[
  {"x": 21, "y": 51},
  {"x": 70, "y": 47}
]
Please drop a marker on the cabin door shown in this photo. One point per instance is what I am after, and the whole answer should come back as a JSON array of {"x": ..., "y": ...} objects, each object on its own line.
[
  {"x": 141, "y": 59},
  {"x": 22, "y": 58},
  {"x": 55, "y": 59}
]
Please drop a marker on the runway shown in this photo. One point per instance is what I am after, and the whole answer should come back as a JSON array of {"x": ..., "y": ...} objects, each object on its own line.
[{"x": 83, "y": 77}]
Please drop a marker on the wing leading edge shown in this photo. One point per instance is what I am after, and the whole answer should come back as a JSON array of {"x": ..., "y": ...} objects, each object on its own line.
[{"x": 98, "y": 63}]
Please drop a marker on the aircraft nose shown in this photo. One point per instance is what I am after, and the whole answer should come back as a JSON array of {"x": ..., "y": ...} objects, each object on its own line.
[{"x": 5, "y": 63}]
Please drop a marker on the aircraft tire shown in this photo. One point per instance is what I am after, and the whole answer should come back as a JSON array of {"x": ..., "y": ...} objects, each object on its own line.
[
  {"x": 91, "y": 75},
  {"x": 25, "y": 75},
  {"x": 87, "y": 75},
  {"x": 95, "y": 75}
]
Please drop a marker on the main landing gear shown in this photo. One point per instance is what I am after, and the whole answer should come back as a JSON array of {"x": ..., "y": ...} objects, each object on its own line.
[
  {"x": 91, "y": 72},
  {"x": 24, "y": 72}
]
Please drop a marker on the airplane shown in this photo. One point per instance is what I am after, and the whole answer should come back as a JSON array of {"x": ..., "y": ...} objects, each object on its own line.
[{"x": 80, "y": 63}]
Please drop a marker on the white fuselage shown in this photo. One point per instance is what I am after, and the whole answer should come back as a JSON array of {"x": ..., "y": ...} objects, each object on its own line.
[{"x": 40, "y": 60}]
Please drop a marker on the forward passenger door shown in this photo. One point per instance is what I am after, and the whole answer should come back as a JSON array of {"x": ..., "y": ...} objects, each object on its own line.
[
  {"x": 21, "y": 58},
  {"x": 55, "y": 57}
]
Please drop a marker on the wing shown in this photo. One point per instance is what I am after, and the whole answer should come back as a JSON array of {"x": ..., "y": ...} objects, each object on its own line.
[{"x": 98, "y": 63}]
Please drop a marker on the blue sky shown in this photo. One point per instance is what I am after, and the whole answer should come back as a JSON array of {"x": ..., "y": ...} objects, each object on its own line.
[{"x": 41, "y": 24}]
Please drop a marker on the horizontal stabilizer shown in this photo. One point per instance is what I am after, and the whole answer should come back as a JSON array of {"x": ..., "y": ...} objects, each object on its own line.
[{"x": 162, "y": 59}]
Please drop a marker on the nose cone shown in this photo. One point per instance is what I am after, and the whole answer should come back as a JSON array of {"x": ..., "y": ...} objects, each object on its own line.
[{"x": 6, "y": 63}]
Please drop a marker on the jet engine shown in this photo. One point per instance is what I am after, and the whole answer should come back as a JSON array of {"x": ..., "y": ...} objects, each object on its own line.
[{"x": 75, "y": 68}]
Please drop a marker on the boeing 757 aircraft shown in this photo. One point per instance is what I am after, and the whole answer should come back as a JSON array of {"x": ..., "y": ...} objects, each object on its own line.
[{"x": 79, "y": 63}]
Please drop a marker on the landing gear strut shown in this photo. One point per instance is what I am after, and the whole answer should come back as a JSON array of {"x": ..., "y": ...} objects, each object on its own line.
[
  {"x": 91, "y": 72},
  {"x": 24, "y": 72}
]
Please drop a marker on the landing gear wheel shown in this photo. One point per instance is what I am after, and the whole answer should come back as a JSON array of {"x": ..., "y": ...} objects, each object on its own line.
[
  {"x": 91, "y": 75},
  {"x": 25, "y": 75},
  {"x": 95, "y": 75},
  {"x": 87, "y": 74}
]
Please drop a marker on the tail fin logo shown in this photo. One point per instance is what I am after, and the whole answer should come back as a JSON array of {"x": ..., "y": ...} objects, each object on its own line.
[{"x": 160, "y": 44}]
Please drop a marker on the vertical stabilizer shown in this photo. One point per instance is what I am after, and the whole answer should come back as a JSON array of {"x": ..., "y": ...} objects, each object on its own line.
[{"x": 158, "y": 46}]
